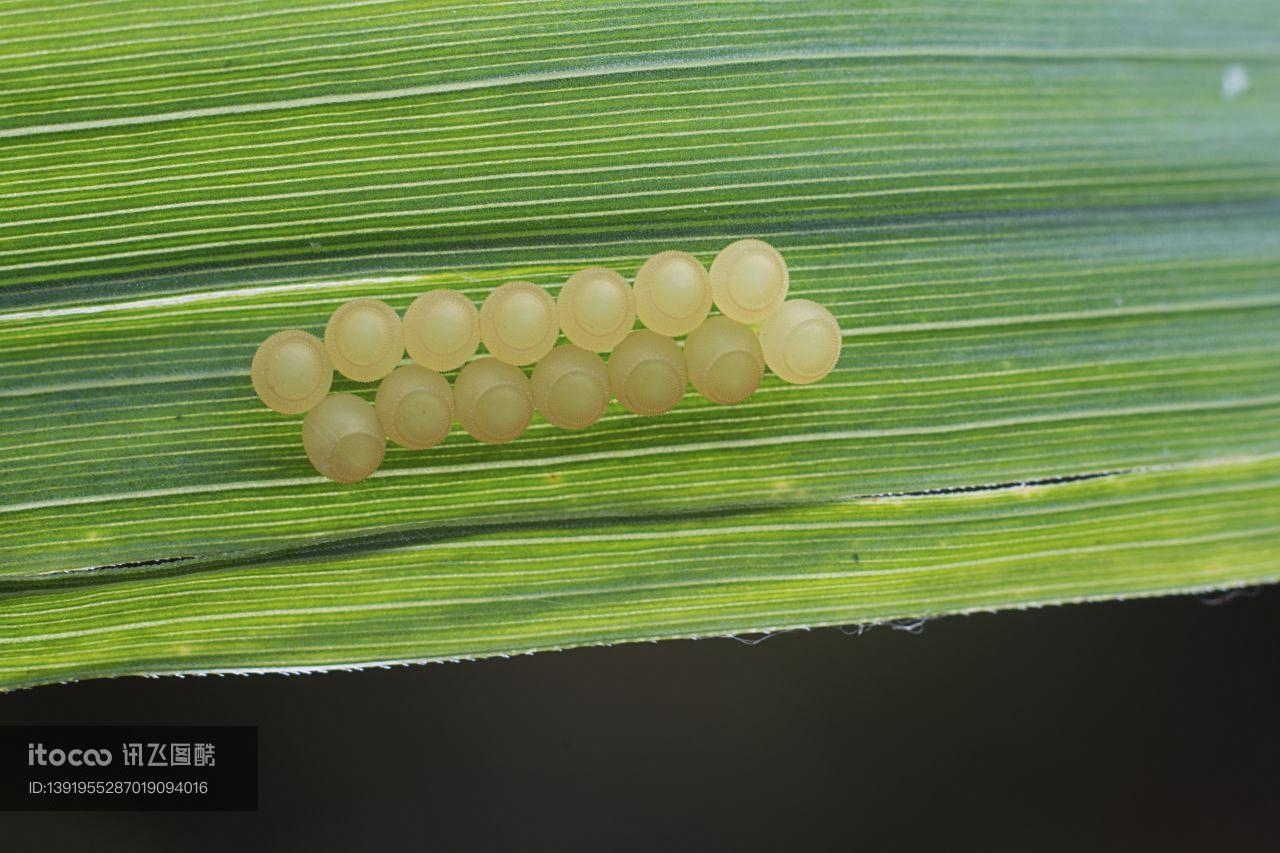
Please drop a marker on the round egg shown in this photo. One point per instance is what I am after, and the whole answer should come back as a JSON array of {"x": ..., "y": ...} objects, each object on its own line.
[
  {"x": 343, "y": 438},
  {"x": 801, "y": 341},
  {"x": 291, "y": 372},
  {"x": 597, "y": 309},
  {"x": 647, "y": 373},
  {"x": 724, "y": 360},
  {"x": 673, "y": 293},
  {"x": 415, "y": 407},
  {"x": 493, "y": 400},
  {"x": 570, "y": 387},
  {"x": 364, "y": 339},
  {"x": 442, "y": 330},
  {"x": 518, "y": 322},
  {"x": 749, "y": 280}
]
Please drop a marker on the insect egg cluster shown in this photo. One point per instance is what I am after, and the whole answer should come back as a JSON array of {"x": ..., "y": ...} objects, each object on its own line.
[{"x": 723, "y": 356}]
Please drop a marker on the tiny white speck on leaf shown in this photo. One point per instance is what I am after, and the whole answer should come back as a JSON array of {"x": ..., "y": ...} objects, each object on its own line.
[{"x": 1235, "y": 82}]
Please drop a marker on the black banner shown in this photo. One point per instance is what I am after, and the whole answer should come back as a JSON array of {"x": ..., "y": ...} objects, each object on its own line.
[{"x": 129, "y": 768}]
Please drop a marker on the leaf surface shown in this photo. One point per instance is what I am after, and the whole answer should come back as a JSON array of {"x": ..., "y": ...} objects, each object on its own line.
[{"x": 1051, "y": 237}]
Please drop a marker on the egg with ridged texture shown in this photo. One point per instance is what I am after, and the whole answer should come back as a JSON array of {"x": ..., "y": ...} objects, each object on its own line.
[
  {"x": 364, "y": 339},
  {"x": 673, "y": 293},
  {"x": 442, "y": 330},
  {"x": 493, "y": 400},
  {"x": 570, "y": 387},
  {"x": 597, "y": 309},
  {"x": 647, "y": 373},
  {"x": 749, "y": 280},
  {"x": 343, "y": 438},
  {"x": 415, "y": 407},
  {"x": 518, "y": 323},
  {"x": 724, "y": 360},
  {"x": 801, "y": 341},
  {"x": 291, "y": 372}
]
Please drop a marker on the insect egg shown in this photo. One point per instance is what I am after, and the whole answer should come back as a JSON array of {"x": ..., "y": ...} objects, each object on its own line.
[
  {"x": 415, "y": 406},
  {"x": 724, "y": 360},
  {"x": 493, "y": 400},
  {"x": 673, "y": 293},
  {"x": 364, "y": 339},
  {"x": 291, "y": 372},
  {"x": 647, "y": 373},
  {"x": 801, "y": 341},
  {"x": 570, "y": 387},
  {"x": 441, "y": 329},
  {"x": 597, "y": 308},
  {"x": 343, "y": 438},
  {"x": 749, "y": 280},
  {"x": 518, "y": 322}
]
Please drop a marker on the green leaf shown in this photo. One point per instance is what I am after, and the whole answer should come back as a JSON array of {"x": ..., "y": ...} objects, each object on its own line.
[{"x": 1051, "y": 236}]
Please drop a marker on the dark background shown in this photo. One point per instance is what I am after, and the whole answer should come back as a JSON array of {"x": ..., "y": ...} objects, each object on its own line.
[{"x": 1147, "y": 725}]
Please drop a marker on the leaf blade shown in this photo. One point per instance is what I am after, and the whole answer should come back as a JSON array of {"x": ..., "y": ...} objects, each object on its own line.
[{"x": 1049, "y": 238}]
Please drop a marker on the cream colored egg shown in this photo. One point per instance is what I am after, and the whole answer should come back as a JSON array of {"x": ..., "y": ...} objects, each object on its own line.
[
  {"x": 364, "y": 339},
  {"x": 749, "y": 280},
  {"x": 597, "y": 308},
  {"x": 724, "y": 360},
  {"x": 518, "y": 322},
  {"x": 343, "y": 438},
  {"x": 673, "y": 293},
  {"x": 801, "y": 341},
  {"x": 442, "y": 329},
  {"x": 493, "y": 400},
  {"x": 647, "y": 373},
  {"x": 415, "y": 406},
  {"x": 570, "y": 387},
  {"x": 291, "y": 372}
]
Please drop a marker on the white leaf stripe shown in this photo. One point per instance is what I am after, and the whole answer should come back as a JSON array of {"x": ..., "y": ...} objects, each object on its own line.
[
  {"x": 573, "y": 40},
  {"x": 610, "y": 70},
  {"x": 552, "y": 99},
  {"x": 1208, "y": 179},
  {"x": 779, "y": 170},
  {"x": 420, "y": 91}
]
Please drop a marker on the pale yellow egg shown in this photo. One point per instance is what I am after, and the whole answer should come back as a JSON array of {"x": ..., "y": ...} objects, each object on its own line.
[
  {"x": 518, "y": 322},
  {"x": 597, "y": 309},
  {"x": 415, "y": 406},
  {"x": 801, "y": 341},
  {"x": 343, "y": 438},
  {"x": 647, "y": 373},
  {"x": 442, "y": 330},
  {"x": 570, "y": 387},
  {"x": 673, "y": 293},
  {"x": 291, "y": 372},
  {"x": 493, "y": 400},
  {"x": 749, "y": 280},
  {"x": 364, "y": 339},
  {"x": 724, "y": 360}
]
